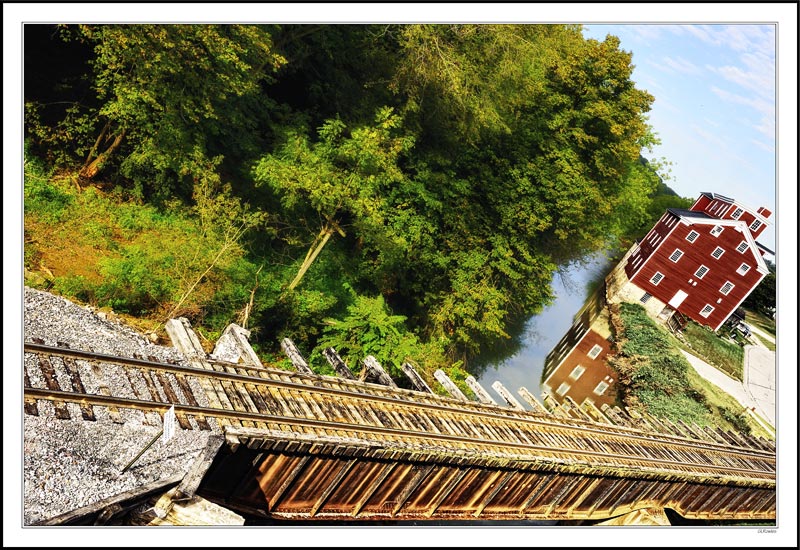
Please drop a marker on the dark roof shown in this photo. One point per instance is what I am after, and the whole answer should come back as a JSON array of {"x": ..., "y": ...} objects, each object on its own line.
[
  {"x": 682, "y": 213},
  {"x": 764, "y": 248},
  {"x": 717, "y": 196}
]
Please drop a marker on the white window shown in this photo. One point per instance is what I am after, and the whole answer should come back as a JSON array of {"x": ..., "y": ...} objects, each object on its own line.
[
  {"x": 716, "y": 230},
  {"x": 742, "y": 247},
  {"x": 646, "y": 296},
  {"x": 692, "y": 236},
  {"x": 577, "y": 372},
  {"x": 655, "y": 279},
  {"x": 736, "y": 213},
  {"x": 744, "y": 268},
  {"x": 755, "y": 225},
  {"x": 601, "y": 388},
  {"x": 562, "y": 389},
  {"x": 701, "y": 271},
  {"x": 706, "y": 311},
  {"x": 718, "y": 252},
  {"x": 675, "y": 256},
  {"x": 726, "y": 288},
  {"x": 595, "y": 351}
]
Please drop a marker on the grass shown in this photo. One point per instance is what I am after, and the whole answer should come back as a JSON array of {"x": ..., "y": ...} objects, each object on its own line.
[
  {"x": 770, "y": 345},
  {"x": 708, "y": 346},
  {"x": 760, "y": 321},
  {"x": 717, "y": 401},
  {"x": 657, "y": 378}
]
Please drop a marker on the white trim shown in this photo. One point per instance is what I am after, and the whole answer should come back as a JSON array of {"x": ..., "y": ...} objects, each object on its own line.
[
  {"x": 573, "y": 376},
  {"x": 710, "y": 309},
  {"x": 601, "y": 388},
  {"x": 679, "y": 253},
  {"x": 746, "y": 267},
  {"x": 700, "y": 273},
  {"x": 742, "y": 300},
  {"x": 721, "y": 252},
  {"x": 655, "y": 248},
  {"x": 562, "y": 389},
  {"x": 739, "y": 210},
  {"x": 660, "y": 278},
  {"x": 564, "y": 358},
  {"x": 722, "y": 288},
  {"x": 739, "y": 248},
  {"x": 694, "y": 234},
  {"x": 714, "y": 232},
  {"x": 595, "y": 351}
]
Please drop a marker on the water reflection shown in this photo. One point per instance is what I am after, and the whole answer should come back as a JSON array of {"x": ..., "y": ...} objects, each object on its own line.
[{"x": 519, "y": 362}]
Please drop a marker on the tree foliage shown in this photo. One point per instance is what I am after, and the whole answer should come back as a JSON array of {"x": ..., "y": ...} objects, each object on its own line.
[{"x": 438, "y": 172}]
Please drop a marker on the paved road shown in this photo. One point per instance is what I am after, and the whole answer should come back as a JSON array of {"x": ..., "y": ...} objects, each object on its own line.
[{"x": 758, "y": 390}]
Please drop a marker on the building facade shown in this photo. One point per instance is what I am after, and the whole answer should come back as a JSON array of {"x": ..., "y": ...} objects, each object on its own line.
[{"x": 702, "y": 262}]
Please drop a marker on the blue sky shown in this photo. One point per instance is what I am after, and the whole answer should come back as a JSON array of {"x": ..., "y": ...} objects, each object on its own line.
[{"x": 714, "y": 109}]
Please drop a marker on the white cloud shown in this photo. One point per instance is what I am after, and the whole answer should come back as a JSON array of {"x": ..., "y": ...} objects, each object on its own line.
[
  {"x": 709, "y": 137},
  {"x": 766, "y": 109},
  {"x": 764, "y": 146},
  {"x": 682, "y": 65}
]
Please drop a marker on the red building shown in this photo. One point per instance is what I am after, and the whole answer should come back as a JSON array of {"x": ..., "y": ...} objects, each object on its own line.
[
  {"x": 576, "y": 367},
  {"x": 701, "y": 262}
]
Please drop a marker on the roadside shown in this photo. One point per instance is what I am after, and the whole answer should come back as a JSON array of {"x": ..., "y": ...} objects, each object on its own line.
[{"x": 757, "y": 393}]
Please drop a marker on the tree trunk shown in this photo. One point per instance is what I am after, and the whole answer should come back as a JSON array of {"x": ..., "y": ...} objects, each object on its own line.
[
  {"x": 90, "y": 170},
  {"x": 316, "y": 247}
]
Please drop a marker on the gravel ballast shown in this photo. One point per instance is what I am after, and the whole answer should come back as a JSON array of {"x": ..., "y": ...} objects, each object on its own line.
[{"x": 68, "y": 464}]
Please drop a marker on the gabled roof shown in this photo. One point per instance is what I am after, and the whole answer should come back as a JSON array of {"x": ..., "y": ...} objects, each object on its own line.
[
  {"x": 717, "y": 196},
  {"x": 764, "y": 248},
  {"x": 683, "y": 213},
  {"x": 690, "y": 218}
]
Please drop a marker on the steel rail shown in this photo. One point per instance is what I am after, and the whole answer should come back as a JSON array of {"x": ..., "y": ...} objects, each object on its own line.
[
  {"x": 150, "y": 406},
  {"x": 459, "y": 407}
]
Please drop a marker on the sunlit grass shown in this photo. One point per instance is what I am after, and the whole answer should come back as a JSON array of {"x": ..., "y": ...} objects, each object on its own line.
[{"x": 708, "y": 346}]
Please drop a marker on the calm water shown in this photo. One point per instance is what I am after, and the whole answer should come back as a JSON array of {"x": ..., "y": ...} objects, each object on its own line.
[{"x": 523, "y": 366}]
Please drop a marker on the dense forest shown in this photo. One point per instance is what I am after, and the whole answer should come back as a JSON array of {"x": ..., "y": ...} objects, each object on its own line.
[{"x": 405, "y": 191}]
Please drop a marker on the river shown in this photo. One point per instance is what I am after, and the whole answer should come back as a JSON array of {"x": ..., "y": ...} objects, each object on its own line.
[{"x": 524, "y": 356}]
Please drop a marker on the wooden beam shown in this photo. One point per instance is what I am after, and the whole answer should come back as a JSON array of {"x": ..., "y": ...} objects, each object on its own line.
[
  {"x": 375, "y": 372},
  {"x": 482, "y": 394},
  {"x": 295, "y": 356},
  {"x": 415, "y": 378},
  {"x": 507, "y": 396},
  {"x": 338, "y": 364},
  {"x": 126, "y": 500},
  {"x": 449, "y": 385}
]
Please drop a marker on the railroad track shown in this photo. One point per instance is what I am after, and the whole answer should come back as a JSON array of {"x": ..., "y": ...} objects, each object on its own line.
[{"x": 87, "y": 386}]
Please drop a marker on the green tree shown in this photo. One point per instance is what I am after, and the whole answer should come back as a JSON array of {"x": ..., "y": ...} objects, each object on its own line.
[
  {"x": 343, "y": 176},
  {"x": 169, "y": 98}
]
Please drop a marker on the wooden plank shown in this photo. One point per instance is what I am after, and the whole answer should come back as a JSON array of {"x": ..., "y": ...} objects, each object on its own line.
[
  {"x": 416, "y": 380},
  {"x": 190, "y": 398},
  {"x": 127, "y": 500},
  {"x": 375, "y": 372},
  {"x": 49, "y": 374},
  {"x": 77, "y": 385},
  {"x": 482, "y": 395},
  {"x": 449, "y": 385},
  {"x": 172, "y": 398},
  {"x": 535, "y": 404},
  {"x": 191, "y": 481},
  {"x": 507, "y": 396},
  {"x": 295, "y": 356},
  {"x": 338, "y": 364}
]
